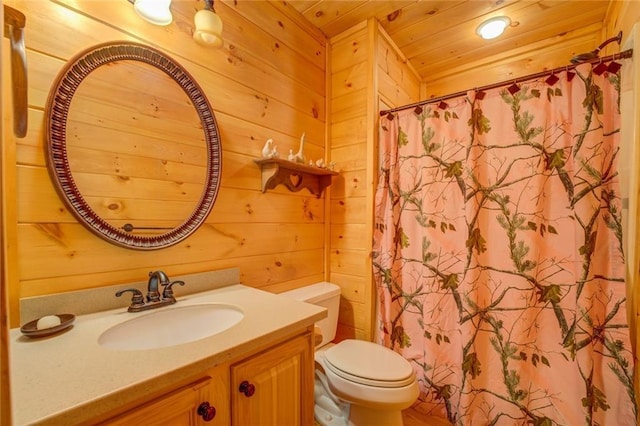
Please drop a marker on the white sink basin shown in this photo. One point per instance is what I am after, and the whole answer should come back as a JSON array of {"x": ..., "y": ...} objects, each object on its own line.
[{"x": 171, "y": 326}]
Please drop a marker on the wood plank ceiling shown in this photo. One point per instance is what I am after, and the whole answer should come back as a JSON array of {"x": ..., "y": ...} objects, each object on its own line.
[{"x": 439, "y": 37}]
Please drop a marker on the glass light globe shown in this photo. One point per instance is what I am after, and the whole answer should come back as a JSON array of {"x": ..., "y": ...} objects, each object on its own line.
[
  {"x": 208, "y": 30},
  {"x": 155, "y": 11}
]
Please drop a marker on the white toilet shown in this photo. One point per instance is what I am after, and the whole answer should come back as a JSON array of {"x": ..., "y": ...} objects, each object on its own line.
[{"x": 375, "y": 382}]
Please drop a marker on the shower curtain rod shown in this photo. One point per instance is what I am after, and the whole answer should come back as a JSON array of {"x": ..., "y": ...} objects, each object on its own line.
[{"x": 620, "y": 55}]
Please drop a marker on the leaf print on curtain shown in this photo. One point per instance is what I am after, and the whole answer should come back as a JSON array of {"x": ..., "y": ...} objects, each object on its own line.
[{"x": 498, "y": 255}]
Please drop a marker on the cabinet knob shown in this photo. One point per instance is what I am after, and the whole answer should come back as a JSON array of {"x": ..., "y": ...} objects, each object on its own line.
[
  {"x": 247, "y": 388},
  {"x": 206, "y": 411}
]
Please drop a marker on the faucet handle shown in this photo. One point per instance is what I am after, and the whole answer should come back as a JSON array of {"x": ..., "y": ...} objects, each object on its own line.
[
  {"x": 137, "y": 300},
  {"x": 167, "y": 293}
]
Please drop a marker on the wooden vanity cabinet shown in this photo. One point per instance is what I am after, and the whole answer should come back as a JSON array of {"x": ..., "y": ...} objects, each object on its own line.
[
  {"x": 274, "y": 387},
  {"x": 177, "y": 408},
  {"x": 270, "y": 386}
]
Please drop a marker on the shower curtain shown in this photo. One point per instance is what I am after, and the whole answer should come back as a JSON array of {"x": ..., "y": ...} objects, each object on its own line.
[{"x": 498, "y": 253}]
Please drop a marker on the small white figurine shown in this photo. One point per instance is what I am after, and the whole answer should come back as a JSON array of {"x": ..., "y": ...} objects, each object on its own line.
[
  {"x": 299, "y": 156},
  {"x": 267, "y": 149},
  {"x": 291, "y": 156},
  {"x": 320, "y": 163}
]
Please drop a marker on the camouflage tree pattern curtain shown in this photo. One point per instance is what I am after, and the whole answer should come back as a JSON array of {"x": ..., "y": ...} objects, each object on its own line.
[{"x": 498, "y": 254}]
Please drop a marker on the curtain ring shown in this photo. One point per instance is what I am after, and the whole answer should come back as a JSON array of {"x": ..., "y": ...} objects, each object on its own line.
[
  {"x": 514, "y": 88},
  {"x": 600, "y": 68},
  {"x": 614, "y": 66}
]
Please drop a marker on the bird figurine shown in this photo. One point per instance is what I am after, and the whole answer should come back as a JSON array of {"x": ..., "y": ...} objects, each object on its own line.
[
  {"x": 320, "y": 163},
  {"x": 291, "y": 156},
  {"x": 299, "y": 156},
  {"x": 267, "y": 149}
]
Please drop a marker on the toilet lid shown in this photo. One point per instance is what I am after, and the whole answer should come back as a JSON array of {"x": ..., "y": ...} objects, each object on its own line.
[{"x": 369, "y": 364}]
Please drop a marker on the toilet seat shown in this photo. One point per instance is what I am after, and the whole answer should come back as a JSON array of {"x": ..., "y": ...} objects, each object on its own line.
[{"x": 369, "y": 364}]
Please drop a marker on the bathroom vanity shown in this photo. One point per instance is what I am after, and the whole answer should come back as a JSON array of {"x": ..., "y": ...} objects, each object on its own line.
[
  {"x": 268, "y": 387},
  {"x": 258, "y": 371}
]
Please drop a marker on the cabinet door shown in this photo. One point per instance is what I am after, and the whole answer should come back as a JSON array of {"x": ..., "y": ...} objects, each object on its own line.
[
  {"x": 177, "y": 408},
  {"x": 274, "y": 387}
]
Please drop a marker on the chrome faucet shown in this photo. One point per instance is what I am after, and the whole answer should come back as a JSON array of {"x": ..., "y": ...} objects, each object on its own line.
[{"x": 154, "y": 299}]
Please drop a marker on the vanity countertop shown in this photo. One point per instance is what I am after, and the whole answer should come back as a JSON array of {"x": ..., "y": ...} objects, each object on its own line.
[{"x": 68, "y": 378}]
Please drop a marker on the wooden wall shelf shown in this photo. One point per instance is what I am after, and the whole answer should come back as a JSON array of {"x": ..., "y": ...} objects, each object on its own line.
[{"x": 295, "y": 176}]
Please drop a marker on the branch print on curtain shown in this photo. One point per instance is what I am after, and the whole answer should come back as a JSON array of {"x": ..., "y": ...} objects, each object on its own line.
[{"x": 498, "y": 255}]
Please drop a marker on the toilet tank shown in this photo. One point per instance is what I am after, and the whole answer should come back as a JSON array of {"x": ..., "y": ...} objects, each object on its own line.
[{"x": 322, "y": 294}]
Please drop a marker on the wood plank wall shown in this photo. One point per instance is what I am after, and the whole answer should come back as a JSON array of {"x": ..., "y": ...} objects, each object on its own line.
[
  {"x": 348, "y": 243},
  {"x": 267, "y": 82},
  {"x": 366, "y": 68}
]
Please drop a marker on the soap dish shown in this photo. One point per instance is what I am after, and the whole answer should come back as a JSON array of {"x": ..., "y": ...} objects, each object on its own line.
[{"x": 30, "y": 329}]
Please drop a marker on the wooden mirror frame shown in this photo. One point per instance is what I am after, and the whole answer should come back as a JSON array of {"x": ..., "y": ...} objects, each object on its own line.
[{"x": 58, "y": 104}]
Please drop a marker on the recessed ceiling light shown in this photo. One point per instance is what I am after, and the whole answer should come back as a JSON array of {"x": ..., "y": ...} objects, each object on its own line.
[{"x": 493, "y": 27}]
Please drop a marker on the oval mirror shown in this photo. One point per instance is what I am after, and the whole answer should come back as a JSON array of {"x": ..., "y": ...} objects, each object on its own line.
[{"x": 132, "y": 145}]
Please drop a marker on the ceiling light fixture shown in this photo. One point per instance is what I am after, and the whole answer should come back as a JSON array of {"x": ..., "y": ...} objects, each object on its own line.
[
  {"x": 208, "y": 31},
  {"x": 155, "y": 11},
  {"x": 492, "y": 28}
]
